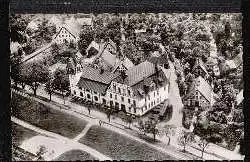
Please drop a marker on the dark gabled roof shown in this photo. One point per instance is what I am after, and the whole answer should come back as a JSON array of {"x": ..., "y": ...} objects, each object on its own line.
[
  {"x": 138, "y": 88},
  {"x": 200, "y": 63},
  {"x": 95, "y": 75},
  {"x": 159, "y": 60},
  {"x": 92, "y": 85},
  {"x": 139, "y": 72}
]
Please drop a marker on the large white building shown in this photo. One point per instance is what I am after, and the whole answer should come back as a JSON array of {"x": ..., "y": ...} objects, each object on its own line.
[{"x": 135, "y": 91}]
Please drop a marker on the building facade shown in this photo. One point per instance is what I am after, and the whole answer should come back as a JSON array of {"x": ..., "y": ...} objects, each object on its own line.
[{"x": 126, "y": 92}]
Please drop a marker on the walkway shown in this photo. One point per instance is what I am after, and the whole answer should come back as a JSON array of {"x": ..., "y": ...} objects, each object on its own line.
[
  {"x": 69, "y": 142},
  {"x": 114, "y": 127},
  {"x": 94, "y": 117},
  {"x": 82, "y": 134}
]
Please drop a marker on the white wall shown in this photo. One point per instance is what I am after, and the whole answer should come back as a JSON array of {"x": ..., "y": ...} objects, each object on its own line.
[
  {"x": 155, "y": 98},
  {"x": 64, "y": 35}
]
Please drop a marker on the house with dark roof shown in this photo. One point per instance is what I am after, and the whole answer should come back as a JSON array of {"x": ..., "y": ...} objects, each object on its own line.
[
  {"x": 134, "y": 91},
  {"x": 199, "y": 68},
  {"x": 200, "y": 94}
]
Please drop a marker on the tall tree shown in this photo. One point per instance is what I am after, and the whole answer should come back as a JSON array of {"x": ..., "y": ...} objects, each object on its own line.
[
  {"x": 36, "y": 73},
  {"x": 61, "y": 81},
  {"x": 49, "y": 86},
  {"x": 185, "y": 138},
  {"x": 86, "y": 37}
]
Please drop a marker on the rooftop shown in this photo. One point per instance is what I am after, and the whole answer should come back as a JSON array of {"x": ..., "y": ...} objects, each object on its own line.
[{"x": 139, "y": 72}]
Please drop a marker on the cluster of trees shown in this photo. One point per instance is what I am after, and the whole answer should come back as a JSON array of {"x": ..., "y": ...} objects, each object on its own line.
[{"x": 34, "y": 74}]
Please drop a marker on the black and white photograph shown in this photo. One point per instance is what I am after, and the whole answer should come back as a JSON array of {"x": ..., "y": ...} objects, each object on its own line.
[{"x": 126, "y": 86}]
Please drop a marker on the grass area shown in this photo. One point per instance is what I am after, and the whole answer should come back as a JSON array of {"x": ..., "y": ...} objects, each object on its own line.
[
  {"x": 119, "y": 147},
  {"x": 75, "y": 155},
  {"x": 20, "y": 134},
  {"x": 46, "y": 117}
]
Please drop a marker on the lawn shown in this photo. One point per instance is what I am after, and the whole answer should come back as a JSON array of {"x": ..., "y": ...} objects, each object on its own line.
[
  {"x": 20, "y": 134},
  {"x": 75, "y": 155},
  {"x": 119, "y": 147},
  {"x": 45, "y": 117}
]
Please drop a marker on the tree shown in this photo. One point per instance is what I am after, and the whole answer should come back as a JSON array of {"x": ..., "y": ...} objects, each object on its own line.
[
  {"x": 35, "y": 73},
  {"x": 167, "y": 130},
  {"x": 185, "y": 138},
  {"x": 205, "y": 140},
  {"x": 42, "y": 150},
  {"x": 149, "y": 126},
  {"x": 61, "y": 81},
  {"x": 109, "y": 112},
  {"x": 128, "y": 119},
  {"x": 86, "y": 37},
  {"x": 15, "y": 66},
  {"x": 49, "y": 86}
]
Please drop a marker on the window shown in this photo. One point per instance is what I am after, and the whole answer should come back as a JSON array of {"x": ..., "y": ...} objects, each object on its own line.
[
  {"x": 154, "y": 94},
  {"x": 119, "y": 90},
  {"x": 129, "y": 92},
  {"x": 149, "y": 105},
  {"x": 124, "y": 91},
  {"x": 123, "y": 107},
  {"x": 81, "y": 94},
  {"x": 154, "y": 102},
  {"x": 122, "y": 99},
  {"x": 134, "y": 110},
  {"x": 115, "y": 97},
  {"x": 158, "y": 92},
  {"x": 129, "y": 109},
  {"x": 146, "y": 107},
  {"x": 95, "y": 98},
  {"x": 75, "y": 92},
  {"x": 117, "y": 105},
  {"x": 103, "y": 101},
  {"x": 165, "y": 88},
  {"x": 88, "y": 96},
  {"x": 129, "y": 101},
  {"x": 111, "y": 104},
  {"x": 110, "y": 95},
  {"x": 114, "y": 87},
  {"x": 134, "y": 102},
  {"x": 80, "y": 88},
  {"x": 148, "y": 97}
]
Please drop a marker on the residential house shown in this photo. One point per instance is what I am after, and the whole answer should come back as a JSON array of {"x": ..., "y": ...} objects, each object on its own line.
[
  {"x": 199, "y": 68},
  {"x": 234, "y": 63},
  {"x": 134, "y": 91},
  {"x": 200, "y": 93},
  {"x": 69, "y": 30}
]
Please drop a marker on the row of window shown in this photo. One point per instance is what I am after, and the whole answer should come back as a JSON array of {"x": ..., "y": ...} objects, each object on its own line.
[
  {"x": 122, "y": 99},
  {"x": 119, "y": 90},
  {"x": 111, "y": 102}
]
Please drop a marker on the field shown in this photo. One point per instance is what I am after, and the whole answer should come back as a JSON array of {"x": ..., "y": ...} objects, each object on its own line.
[
  {"x": 45, "y": 117},
  {"x": 119, "y": 147},
  {"x": 20, "y": 134},
  {"x": 75, "y": 155}
]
